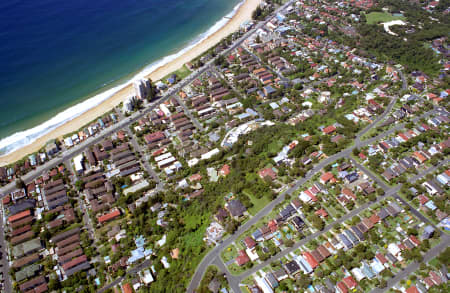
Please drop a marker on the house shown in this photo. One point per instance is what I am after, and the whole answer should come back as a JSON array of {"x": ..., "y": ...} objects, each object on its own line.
[
  {"x": 267, "y": 172},
  {"x": 350, "y": 282},
  {"x": 345, "y": 241},
  {"x": 287, "y": 212},
  {"x": 326, "y": 177},
  {"x": 432, "y": 187},
  {"x": 352, "y": 177},
  {"x": 292, "y": 268},
  {"x": 272, "y": 280},
  {"x": 249, "y": 242},
  {"x": 280, "y": 274},
  {"x": 236, "y": 208},
  {"x": 428, "y": 232},
  {"x": 109, "y": 216},
  {"x": 221, "y": 215},
  {"x": 329, "y": 129},
  {"x": 298, "y": 223},
  {"x": 154, "y": 137},
  {"x": 225, "y": 170},
  {"x": 269, "y": 90},
  {"x": 311, "y": 260},
  {"x": 412, "y": 289},
  {"x": 340, "y": 287},
  {"x": 242, "y": 258}
]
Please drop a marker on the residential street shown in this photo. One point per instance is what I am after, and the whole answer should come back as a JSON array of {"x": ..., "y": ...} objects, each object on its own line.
[
  {"x": 212, "y": 255},
  {"x": 4, "y": 259},
  {"x": 215, "y": 252},
  {"x": 188, "y": 113},
  {"x": 432, "y": 253},
  {"x": 323, "y": 145}
]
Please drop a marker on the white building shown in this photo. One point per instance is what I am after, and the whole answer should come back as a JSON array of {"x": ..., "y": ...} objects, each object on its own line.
[
  {"x": 142, "y": 88},
  {"x": 128, "y": 104},
  {"x": 78, "y": 163}
]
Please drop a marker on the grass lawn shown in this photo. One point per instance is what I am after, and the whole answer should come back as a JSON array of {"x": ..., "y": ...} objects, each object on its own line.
[
  {"x": 236, "y": 270},
  {"x": 229, "y": 253},
  {"x": 180, "y": 73},
  {"x": 434, "y": 262},
  {"x": 377, "y": 17},
  {"x": 258, "y": 203},
  {"x": 275, "y": 146}
]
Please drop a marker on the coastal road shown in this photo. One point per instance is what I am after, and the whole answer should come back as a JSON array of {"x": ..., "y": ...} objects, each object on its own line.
[
  {"x": 171, "y": 92},
  {"x": 70, "y": 153}
]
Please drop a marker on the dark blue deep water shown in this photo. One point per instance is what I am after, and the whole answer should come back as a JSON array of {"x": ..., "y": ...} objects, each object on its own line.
[{"x": 55, "y": 53}]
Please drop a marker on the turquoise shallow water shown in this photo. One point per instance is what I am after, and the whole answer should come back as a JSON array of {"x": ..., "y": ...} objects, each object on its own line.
[{"x": 54, "y": 54}]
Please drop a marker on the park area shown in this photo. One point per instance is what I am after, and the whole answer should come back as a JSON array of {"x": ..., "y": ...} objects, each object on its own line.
[{"x": 379, "y": 17}]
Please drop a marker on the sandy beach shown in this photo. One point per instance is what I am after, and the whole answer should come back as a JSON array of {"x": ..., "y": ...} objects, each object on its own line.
[{"x": 243, "y": 14}]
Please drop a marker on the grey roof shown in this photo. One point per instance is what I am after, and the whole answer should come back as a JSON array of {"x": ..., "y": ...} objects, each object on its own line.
[
  {"x": 383, "y": 214},
  {"x": 351, "y": 237},
  {"x": 292, "y": 267},
  {"x": 347, "y": 243},
  {"x": 22, "y": 206},
  {"x": 357, "y": 232},
  {"x": 391, "y": 258},
  {"x": 272, "y": 280},
  {"x": 64, "y": 235},
  {"x": 236, "y": 208}
]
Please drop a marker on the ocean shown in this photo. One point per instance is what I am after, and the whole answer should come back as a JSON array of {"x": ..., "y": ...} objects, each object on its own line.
[{"x": 60, "y": 58}]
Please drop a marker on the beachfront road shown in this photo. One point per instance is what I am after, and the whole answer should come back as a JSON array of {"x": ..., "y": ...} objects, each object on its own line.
[{"x": 70, "y": 153}]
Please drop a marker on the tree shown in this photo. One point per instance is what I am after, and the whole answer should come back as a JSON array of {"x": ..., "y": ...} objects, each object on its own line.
[
  {"x": 20, "y": 184},
  {"x": 316, "y": 221},
  {"x": 289, "y": 243},
  {"x": 79, "y": 185}
]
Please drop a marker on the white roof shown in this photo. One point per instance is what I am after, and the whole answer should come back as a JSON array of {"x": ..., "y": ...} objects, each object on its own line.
[
  {"x": 262, "y": 283},
  {"x": 210, "y": 154},
  {"x": 77, "y": 161}
]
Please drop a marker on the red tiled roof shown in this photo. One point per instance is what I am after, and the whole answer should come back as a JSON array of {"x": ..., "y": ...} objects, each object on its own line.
[
  {"x": 249, "y": 242},
  {"x": 381, "y": 258},
  {"x": 19, "y": 216},
  {"x": 342, "y": 288},
  {"x": 273, "y": 226},
  {"x": 109, "y": 216},
  {"x": 329, "y": 129},
  {"x": 267, "y": 172},
  {"x": 412, "y": 289},
  {"x": 310, "y": 259},
  {"x": 374, "y": 219},
  {"x": 74, "y": 262},
  {"x": 321, "y": 213},
  {"x": 6, "y": 199},
  {"x": 195, "y": 177},
  {"x": 243, "y": 258},
  {"x": 436, "y": 279},
  {"x": 126, "y": 288},
  {"x": 225, "y": 170},
  {"x": 326, "y": 176},
  {"x": 350, "y": 282},
  {"x": 414, "y": 240}
]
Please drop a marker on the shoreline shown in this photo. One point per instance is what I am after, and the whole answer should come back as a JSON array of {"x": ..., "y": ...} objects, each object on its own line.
[{"x": 242, "y": 14}]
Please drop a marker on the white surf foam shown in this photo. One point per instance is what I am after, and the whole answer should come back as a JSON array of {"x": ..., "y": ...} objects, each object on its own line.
[{"x": 27, "y": 137}]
